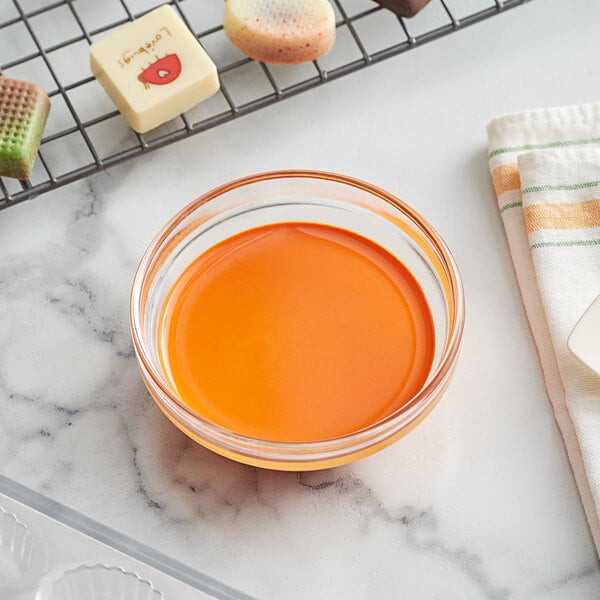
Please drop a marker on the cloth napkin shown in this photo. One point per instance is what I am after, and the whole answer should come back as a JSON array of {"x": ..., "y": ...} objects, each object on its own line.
[{"x": 545, "y": 166}]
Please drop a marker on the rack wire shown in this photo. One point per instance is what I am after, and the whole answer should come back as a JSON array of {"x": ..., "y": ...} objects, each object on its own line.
[{"x": 46, "y": 42}]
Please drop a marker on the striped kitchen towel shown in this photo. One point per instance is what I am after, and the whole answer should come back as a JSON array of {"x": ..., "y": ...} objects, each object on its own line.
[{"x": 545, "y": 166}]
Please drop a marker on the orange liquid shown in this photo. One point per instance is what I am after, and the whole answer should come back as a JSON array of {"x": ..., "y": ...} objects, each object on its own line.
[{"x": 296, "y": 332}]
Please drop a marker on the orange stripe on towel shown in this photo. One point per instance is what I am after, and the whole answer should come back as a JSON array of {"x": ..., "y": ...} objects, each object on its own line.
[
  {"x": 506, "y": 178},
  {"x": 565, "y": 215}
]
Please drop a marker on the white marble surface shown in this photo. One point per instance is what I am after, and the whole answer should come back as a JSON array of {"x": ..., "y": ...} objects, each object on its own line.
[{"x": 477, "y": 503}]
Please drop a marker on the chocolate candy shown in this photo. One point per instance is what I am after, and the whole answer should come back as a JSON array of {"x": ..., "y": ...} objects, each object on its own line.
[
  {"x": 24, "y": 108},
  {"x": 404, "y": 8},
  {"x": 154, "y": 69}
]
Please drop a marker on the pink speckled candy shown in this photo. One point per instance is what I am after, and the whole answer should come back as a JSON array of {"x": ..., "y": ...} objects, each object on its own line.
[{"x": 281, "y": 32}]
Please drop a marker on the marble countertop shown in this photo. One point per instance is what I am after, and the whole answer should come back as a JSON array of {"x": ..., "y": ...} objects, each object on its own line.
[{"x": 477, "y": 503}]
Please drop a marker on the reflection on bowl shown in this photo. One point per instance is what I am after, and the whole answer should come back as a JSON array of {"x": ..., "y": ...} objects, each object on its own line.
[{"x": 215, "y": 231}]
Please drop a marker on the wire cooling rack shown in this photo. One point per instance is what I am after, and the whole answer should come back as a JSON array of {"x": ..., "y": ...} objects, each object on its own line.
[{"x": 46, "y": 42}]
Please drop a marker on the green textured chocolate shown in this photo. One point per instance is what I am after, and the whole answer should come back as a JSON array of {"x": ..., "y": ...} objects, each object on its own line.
[
  {"x": 24, "y": 108},
  {"x": 404, "y": 8}
]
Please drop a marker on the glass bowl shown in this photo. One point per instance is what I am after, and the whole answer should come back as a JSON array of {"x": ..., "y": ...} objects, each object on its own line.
[{"x": 311, "y": 197}]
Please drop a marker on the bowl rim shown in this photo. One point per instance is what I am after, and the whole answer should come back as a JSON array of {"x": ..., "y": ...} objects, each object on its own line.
[{"x": 299, "y": 451}]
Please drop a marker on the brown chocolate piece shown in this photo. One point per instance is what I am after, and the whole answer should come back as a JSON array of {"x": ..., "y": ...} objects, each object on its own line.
[{"x": 404, "y": 8}]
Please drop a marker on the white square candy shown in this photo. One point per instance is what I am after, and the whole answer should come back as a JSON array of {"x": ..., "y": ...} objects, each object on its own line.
[{"x": 154, "y": 69}]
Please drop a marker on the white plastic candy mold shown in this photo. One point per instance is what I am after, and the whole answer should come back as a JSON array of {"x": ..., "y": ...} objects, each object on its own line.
[
  {"x": 21, "y": 557},
  {"x": 99, "y": 582},
  {"x": 50, "y": 552}
]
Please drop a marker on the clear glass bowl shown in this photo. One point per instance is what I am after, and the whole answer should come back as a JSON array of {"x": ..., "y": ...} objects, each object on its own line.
[{"x": 298, "y": 196}]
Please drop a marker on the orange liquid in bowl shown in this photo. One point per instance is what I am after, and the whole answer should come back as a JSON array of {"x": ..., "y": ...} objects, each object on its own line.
[{"x": 296, "y": 332}]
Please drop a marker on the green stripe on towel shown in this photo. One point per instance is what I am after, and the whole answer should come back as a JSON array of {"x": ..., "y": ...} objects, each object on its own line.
[
  {"x": 508, "y": 149},
  {"x": 565, "y": 244},
  {"x": 561, "y": 187},
  {"x": 510, "y": 205}
]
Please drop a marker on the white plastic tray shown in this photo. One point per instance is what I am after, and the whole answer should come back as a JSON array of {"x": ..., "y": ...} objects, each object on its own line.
[{"x": 50, "y": 552}]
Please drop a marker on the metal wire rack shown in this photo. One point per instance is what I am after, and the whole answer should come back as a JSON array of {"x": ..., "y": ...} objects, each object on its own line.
[{"x": 46, "y": 42}]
